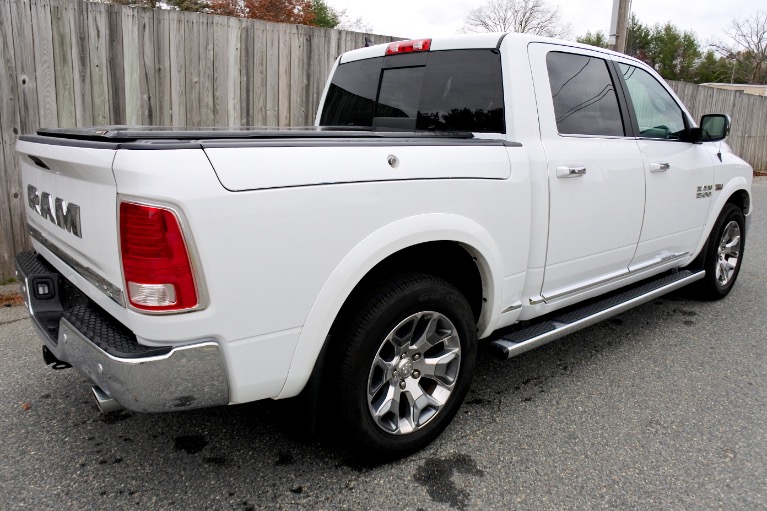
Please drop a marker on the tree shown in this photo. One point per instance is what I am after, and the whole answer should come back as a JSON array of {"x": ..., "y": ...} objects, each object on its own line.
[
  {"x": 674, "y": 53},
  {"x": 234, "y": 8},
  {"x": 713, "y": 69},
  {"x": 325, "y": 15},
  {"x": 281, "y": 11},
  {"x": 598, "y": 38},
  {"x": 638, "y": 39},
  {"x": 524, "y": 16},
  {"x": 747, "y": 48},
  {"x": 180, "y": 5}
]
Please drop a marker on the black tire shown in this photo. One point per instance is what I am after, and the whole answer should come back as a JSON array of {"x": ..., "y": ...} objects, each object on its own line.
[
  {"x": 713, "y": 286},
  {"x": 366, "y": 335}
]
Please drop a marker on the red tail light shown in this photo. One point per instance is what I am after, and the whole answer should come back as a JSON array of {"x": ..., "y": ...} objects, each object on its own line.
[
  {"x": 155, "y": 259},
  {"x": 408, "y": 46}
]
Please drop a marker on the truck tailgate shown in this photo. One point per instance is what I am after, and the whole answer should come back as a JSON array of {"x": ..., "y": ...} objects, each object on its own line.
[{"x": 71, "y": 206}]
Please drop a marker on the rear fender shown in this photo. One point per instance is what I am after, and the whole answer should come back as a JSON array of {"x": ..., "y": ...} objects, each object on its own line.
[{"x": 372, "y": 250}]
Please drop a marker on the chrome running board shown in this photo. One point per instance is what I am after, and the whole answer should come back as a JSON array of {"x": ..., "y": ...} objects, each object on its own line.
[{"x": 572, "y": 320}]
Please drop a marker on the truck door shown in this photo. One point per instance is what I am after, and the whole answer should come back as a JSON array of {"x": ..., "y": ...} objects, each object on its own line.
[
  {"x": 595, "y": 170},
  {"x": 679, "y": 174}
]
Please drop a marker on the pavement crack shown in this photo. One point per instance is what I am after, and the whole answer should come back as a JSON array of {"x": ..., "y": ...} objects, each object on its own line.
[{"x": 11, "y": 321}]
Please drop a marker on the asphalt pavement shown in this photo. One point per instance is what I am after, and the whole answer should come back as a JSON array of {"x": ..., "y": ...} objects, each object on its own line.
[{"x": 662, "y": 407}]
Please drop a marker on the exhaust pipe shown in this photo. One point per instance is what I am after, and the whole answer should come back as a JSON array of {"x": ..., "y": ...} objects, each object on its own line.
[{"x": 105, "y": 403}]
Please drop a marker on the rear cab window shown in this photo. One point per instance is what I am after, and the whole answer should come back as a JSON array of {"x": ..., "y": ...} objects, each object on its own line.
[{"x": 449, "y": 90}]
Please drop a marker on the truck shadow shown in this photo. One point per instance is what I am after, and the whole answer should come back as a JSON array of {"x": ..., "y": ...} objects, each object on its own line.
[{"x": 244, "y": 456}]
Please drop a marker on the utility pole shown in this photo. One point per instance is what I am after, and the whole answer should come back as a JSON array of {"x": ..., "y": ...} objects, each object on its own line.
[{"x": 619, "y": 25}]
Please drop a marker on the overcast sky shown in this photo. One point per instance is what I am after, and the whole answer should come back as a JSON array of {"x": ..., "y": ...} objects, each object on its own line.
[{"x": 424, "y": 18}]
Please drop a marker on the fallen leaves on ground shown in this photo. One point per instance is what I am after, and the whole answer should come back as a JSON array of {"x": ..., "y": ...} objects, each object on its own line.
[{"x": 11, "y": 300}]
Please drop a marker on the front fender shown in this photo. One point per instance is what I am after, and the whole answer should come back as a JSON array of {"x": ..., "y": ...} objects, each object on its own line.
[
  {"x": 372, "y": 250},
  {"x": 733, "y": 186}
]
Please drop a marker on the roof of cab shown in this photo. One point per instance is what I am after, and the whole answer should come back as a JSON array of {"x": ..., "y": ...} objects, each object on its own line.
[{"x": 470, "y": 41}]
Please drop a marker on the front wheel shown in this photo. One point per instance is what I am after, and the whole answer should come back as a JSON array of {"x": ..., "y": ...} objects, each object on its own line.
[
  {"x": 724, "y": 254},
  {"x": 403, "y": 361}
]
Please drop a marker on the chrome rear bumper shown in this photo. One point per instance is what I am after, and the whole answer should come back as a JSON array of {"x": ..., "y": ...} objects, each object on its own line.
[{"x": 140, "y": 378}]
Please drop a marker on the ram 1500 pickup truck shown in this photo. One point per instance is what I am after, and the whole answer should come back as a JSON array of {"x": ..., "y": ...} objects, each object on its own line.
[{"x": 496, "y": 186}]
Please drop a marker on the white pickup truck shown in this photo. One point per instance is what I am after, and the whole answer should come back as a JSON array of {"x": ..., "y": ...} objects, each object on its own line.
[{"x": 496, "y": 186}]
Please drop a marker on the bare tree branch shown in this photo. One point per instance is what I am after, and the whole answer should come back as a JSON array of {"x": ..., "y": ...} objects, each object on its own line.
[
  {"x": 748, "y": 46},
  {"x": 524, "y": 16}
]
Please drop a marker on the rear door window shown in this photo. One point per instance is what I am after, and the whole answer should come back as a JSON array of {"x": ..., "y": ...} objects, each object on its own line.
[
  {"x": 584, "y": 96},
  {"x": 456, "y": 90}
]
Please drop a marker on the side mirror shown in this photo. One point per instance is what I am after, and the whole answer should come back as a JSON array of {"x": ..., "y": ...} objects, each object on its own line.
[{"x": 714, "y": 127}]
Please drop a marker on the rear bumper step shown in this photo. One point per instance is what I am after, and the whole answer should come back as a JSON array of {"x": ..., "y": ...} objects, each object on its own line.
[
  {"x": 128, "y": 374},
  {"x": 573, "y": 320}
]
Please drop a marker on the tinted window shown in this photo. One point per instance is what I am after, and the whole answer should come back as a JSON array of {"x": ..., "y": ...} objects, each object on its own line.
[
  {"x": 457, "y": 90},
  {"x": 352, "y": 94},
  {"x": 584, "y": 97},
  {"x": 463, "y": 91},
  {"x": 400, "y": 92},
  {"x": 658, "y": 115}
]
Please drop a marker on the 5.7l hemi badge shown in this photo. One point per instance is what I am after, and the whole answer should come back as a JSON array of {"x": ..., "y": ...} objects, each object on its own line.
[
  {"x": 60, "y": 212},
  {"x": 704, "y": 191}
]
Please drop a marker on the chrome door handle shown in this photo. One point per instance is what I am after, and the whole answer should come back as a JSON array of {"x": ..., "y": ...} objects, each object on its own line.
[
  {"x": 659, "y": 166},
  {"x": 571, "y": 171}
]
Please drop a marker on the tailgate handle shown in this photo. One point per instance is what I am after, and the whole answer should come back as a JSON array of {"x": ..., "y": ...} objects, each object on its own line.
[
  {"x": 565, "y": 171},
  {"x": 658, "y": 166}
]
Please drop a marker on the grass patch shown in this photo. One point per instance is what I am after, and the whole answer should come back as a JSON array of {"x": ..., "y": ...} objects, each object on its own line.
[{"x": 5, "y": 282}]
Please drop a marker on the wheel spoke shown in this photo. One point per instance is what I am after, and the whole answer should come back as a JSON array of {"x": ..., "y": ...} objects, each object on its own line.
[
  {"x": 438, "y": 367},
  {"x": 402, "y": 337},
  {"x": 732, "y": 247},
  {"x": 423, "y": 406},
  {"x": 388, "y": 405},
  {"x": 434, "y": 333}
]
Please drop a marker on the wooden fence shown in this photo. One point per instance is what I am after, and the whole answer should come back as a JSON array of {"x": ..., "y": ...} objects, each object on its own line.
[
  {"x": 748, "y": 137},
  {"x": 70, "y": 63},
  {"x": 76, "y": 63}
]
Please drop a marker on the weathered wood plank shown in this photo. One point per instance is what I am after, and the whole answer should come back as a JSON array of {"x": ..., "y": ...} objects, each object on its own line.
[
  {"x": 192, "y": 54},
  {"x": 247, "y": 108},
  {"x": 78, "y": 29},
  {"x": 284, "y": 75},
  {"x": 7, "y": 248},
  {"x": 44, "y": 67},
  {"x": 220, "y": 70},
  {"x": 272, "y": 74},
  {"x": 98, "y": 30},
  {"x": 62, "y": 58},
  {"x": 163, "y": 102},
  {"x": 234, "y": 26},
  {"x": 13, "y": 229},
  {"x": 317, "y": 71},
  {"x": 147, "y": 72},
  {"x": 116, "y": 65},
  {"x": 259, "y": 73},
  {"x": 207, "y": 117},
  {"x": 26, "y": 79},
  {"x": 177, "y": 69},
  {"x": 297, "y": 76},
  {"x": 131, "y": 66}
]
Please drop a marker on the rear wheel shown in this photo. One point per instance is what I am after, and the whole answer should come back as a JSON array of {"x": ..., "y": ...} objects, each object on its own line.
[
  {"x": 724, "y": 254},
  {"x": 401, "y": 364}
]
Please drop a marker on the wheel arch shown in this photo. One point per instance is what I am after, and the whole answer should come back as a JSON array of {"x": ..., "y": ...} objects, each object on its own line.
[
  {"x": 391, "y": 244},
  {"x": 736, "y": 191}
]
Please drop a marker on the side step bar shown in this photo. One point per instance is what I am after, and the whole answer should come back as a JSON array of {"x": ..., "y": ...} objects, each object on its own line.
[{"x": 573, "y": 320}]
